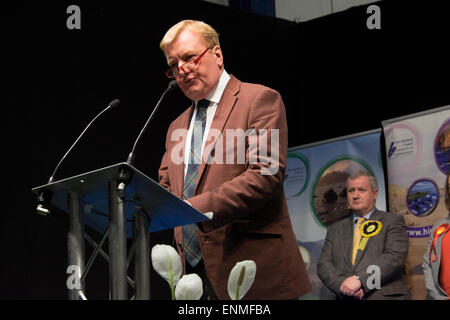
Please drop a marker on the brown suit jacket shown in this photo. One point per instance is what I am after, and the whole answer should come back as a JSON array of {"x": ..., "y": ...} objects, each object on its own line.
[
  {"x": 387, "y": 250},
  {"x": 251, "y": 220}
]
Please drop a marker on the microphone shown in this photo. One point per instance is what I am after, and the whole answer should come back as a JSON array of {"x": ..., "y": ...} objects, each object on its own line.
[
  {"x": 44, "y": 196},
  {"x": 112, "y": 104},
  {"x": 172, "y": 84}
]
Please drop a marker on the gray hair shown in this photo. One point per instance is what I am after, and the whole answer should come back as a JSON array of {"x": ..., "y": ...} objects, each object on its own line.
[{"x": 362, "y": 173}]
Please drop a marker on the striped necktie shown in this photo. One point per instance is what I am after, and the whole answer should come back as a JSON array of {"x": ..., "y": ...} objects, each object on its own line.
[{"x": 190, "y": 241}]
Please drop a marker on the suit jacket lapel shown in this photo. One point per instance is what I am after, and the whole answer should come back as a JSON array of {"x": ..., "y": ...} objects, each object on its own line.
[
  {"x": 376, "y": 215},
  {"x": 223, "y": 111}
]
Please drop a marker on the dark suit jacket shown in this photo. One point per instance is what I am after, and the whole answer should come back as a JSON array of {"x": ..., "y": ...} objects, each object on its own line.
[
  {"x": 251, "y": 220},
  {"x": 387, "y": 250}
]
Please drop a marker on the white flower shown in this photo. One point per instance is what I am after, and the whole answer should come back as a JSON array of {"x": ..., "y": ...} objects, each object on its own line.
[
  {"x": 241, "y": 279},
  {"x": 167, "y": 263},
  {"x": 190, "y": 287}
]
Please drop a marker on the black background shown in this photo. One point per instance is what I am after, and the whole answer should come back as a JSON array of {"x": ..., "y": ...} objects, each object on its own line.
[{"x": 336, "y": 77}]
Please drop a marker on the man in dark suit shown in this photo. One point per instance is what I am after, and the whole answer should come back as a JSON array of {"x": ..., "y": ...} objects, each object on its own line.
[
  {"x": 241, "y": 183},
  {"x": 364, "y": 254}
]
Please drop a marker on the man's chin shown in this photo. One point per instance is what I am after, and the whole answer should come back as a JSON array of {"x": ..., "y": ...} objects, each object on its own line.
[
  {"x": 190, "y": 92},
  {"x": 357, "y": 211},
  {"x": 193, "y": 95}
]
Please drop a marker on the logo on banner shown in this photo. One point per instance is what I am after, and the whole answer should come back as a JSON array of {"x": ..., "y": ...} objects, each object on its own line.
[
  {"x": 404, "y": 144},
  {"x": 442, "y": 148},
  {"x": 422, "y": 197}
]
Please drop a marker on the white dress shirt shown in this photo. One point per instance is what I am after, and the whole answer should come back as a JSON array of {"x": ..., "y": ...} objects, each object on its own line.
[
  {"x": 214, "y": 98},
  {"x": 367, "y": 216}
]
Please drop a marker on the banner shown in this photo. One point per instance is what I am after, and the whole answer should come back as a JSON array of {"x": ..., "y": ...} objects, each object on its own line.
[
  {"x": 418, "y": 160},
  {"x": 316, "y": 194}
]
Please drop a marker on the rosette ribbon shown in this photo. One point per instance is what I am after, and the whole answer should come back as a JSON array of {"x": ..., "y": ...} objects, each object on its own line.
[{"x": 369, "y": 229}]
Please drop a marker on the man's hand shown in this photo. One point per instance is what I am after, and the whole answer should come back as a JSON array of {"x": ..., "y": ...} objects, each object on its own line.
[
  {"x": 351, "y": 287},
  {"x": 359, "y": 294}
]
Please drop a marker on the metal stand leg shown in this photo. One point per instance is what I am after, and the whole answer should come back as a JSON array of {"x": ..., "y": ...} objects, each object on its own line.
[
  {"x": 141, "y": 256},
  {"x": 117, "y": 245},
  {"x": 75, "y": 246}
]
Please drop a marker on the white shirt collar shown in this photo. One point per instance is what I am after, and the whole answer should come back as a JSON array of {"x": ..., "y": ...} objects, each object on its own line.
[
  {"x": 216, "y": 94},
  {"x": 367, "y": 215}
]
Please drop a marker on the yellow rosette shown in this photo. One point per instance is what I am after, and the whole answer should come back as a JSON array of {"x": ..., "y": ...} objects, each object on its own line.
[
  {"x": 369, "y": 229},
  {"x": 440, "y": 230}
]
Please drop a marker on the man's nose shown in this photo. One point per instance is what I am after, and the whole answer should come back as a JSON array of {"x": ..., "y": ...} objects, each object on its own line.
[
  {"x": 182, "y": 67},
  {"x": 182, "y": 72}
]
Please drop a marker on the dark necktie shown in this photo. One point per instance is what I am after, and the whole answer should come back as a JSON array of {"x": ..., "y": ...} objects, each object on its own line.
[{"x": 190, "y": 241}]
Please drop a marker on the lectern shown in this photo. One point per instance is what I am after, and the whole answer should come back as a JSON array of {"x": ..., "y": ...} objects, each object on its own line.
[{"x": 120, "y": 202}]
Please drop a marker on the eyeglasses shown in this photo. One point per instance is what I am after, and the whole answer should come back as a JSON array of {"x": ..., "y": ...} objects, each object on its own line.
[{"x": 187, "y": 67}]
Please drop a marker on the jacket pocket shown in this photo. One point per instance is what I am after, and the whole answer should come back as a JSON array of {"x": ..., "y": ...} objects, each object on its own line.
[{"x": 256, "y": 227}]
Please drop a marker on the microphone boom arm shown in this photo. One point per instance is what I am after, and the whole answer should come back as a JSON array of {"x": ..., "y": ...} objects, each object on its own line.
[{"x": 171, "y": 85}]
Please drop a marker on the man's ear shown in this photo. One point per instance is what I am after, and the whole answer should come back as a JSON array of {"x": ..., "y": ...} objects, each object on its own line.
[
  {"x": 217, "y": 51},
  {"x": 376, "y": 194}
]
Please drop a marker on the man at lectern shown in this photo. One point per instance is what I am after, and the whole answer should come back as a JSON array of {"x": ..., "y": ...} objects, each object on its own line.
[{"x": 226, "y": 154}]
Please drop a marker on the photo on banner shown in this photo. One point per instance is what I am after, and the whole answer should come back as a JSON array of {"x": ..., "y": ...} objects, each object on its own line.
[
  {"x": 418, "y": 161},
  {"x": 315, "y": 188}
]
